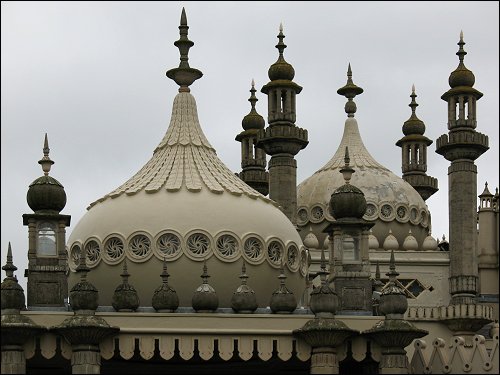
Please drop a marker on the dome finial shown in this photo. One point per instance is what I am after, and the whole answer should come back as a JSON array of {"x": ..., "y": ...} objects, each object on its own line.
[
  {"x": 9, "y": 267},
  {"x": 164, "y": 275},
  {"x": 461, "y": 53},
  {"x": 125, "y": 275},
  {"x": 281, "y": 46},
  {"x": 244, "y": 275},
  {"x": 392, "y": 269},
  {"x": 347, "y": 171},
  {"x": 350, "y": 90},
  {"x": 205, "y": 274},
  {"x": 184, "y": 75},
  {"x": 377, "y": 272},
  {"x": 323, "y": 272},
  {"x": 253, "y": 120},
  {"x": 82, "y": 264},
  {"x": 253, "y": 99},
  {"x": 413, "y": 105},
  {"x": 45, "y": 162}
]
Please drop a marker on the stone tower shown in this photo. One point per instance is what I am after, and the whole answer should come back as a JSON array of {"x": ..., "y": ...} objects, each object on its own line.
[
  {"x": 47, "y": 258},
  {"x": 414, "y": 153},
  {"x": 253, "y": 159},
  {"x": 282, "y": 139},
  {"x": 461, "y": 146}
]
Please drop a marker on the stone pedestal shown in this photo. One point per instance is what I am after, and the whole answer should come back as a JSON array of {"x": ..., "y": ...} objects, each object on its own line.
[
  {"x": 324, "y": 361},
  {"x": 86, "y": 359}
]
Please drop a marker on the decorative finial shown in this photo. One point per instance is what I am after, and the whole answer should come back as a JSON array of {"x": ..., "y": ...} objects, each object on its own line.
[
  {"x": 253, "y": 99},
  {"x": 347, "y": 171},
  {"x": 125, "y": 275},
  {"x": 461, "y": 53},
  {"x": 377, "y": 272},
  {"x": 82, "y": 264},
  {"x": 413, "y": 89},
  {"x": 244, "y": 275},
  {"x": 323, "y": 272},
  {"x": 392, "y": 270},
  {"x": 350, "y": 90},
  {"x": 164, "y": 275},
  {"x": 282, "y": 275},
  {"x": 461, "y": 35},
  {"x": 281, "y": 46},
  {"x": 253, "y": 84},
  {"x": 413, "y": 105},
  {"x": 9, "y": 267},
  {"x": 184, "y": 75},
  {"x": 45, "y": 162},
  {"x": 205, "y": 274}
]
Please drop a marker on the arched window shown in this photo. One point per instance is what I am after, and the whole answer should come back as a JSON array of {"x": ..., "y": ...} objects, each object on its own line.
[{"x": 46, "y": 239}]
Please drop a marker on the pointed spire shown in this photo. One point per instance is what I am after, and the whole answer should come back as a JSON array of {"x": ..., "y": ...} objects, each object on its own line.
[
  {"x": 281, "y": 46},
  {"x": 413, "y": 105},
  {"x": 347, "y": 171},
  {"x": 184, "y": 75},
  {"x": 377, "y": 272},
  {"x": 45, "y": 161},
  {"x": 125, "y": 275},
  {"x": 205, "y": 274},
  {"x": 9, "y": 267},
  {"x": 323, "y": 272},
  {"x": 392, "y": 270},
  {"x": 350, "y": 90},
  {"x": 243, "y": 276},
  {"x": 82, "y": 264},
  {"x": 165, "y": 275},
  {"x": 461, "y": 53},
  {"x": 253, "y": 99}
]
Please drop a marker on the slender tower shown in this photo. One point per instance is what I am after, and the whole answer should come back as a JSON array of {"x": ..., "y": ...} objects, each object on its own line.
[
  {"x": 253, "y": 159},
  {"x": 414, "y": 153},
  {"x": 282, "y": 139},
  {"x": 461, "y": 146},
  {"x": 47, "y": 258}
]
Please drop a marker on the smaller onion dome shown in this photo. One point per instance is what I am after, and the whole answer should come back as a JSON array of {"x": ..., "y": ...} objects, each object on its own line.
[
  {"x": 205, "y": 299},
  {"x": 347, "y": 201},
  {"x": 461, "y": 76},
  {"x": 282, "y": 301},
  {"x": 46, "y": 193},
  {"x": 83, "y": 296},
  {"x": 244, "y": 300},
  {"x": 253, "y": 120},
  {"x": 310, "y": 240},
  {"x": 165, "y": 298},
  {"x": 413, "y": 125},
  {"x": 390, "y": 242},
  {"x": 324, "y": 300},
  {"x": 373, "y": 243},
  {"x": 410, "y": 242},
  {"x": 12, "y": 292},
  {"x": 125, "y": 297},
  {"x": 393, "y": 302},
  {"x": 281, "y": 69},
  {"x": 429, "y": 243}
]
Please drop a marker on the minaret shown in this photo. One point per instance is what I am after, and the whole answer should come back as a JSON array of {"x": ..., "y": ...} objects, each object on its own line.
[
  {"x": 47, "y": 258},
  {"x": 414, "y": 153},
  {"x": 253, "y": 159},
  {"x": 282, "y": 139},
  {"x": 461, "y": 146}
]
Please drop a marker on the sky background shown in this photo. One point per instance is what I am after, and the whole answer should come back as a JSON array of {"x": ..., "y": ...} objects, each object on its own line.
[{"x": 92, "y": 75}]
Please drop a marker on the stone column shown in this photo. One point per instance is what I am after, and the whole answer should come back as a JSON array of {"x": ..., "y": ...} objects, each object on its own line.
[
  {"x": 13, "y": 359},
  {"x": 86, "y": 359}
]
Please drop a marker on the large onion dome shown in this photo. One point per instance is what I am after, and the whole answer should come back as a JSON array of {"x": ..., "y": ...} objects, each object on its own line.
[{"x": 186, "y": 206}]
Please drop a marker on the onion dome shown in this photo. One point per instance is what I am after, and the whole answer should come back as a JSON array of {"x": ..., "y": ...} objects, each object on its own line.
[
  {"x": 310, "y": 240},
  {"x": 165, "y": 298},
  {"x": 281, "y": 70},
  {"x": 324, "y": 300},
  {"x": 461, "y": 76},
  {"x": 83, "y": 296},
  {"x": 390, "y": 242},
  {"x": 12, "y": 292},
  {"x": 125, "y": 297},
  {"x": 486, "y": 192},
  {"x": 46, "y": 194},
  {"x": 253, "y": 120},
  {"x": 244, "y": 300},
  {"x": 205, "y": 298},
  {"x": 410, "y": 243},
  {"x": 393, "y": 302},
  {"x": 373, "y": 243},
  {"x": 282, "y": 301},
  {"x": 444, "y": 245},
  {"x": 347, "y": 201},
  {"x": 186, "y": 205},
  {"x": 429, "y": 243},
  {"x": 413, "y": 125}
]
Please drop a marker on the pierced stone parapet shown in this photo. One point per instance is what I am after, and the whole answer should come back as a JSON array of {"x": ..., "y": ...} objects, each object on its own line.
[
  {"x": 462, "y": 145},
  {"x": 285, "y": 139}
]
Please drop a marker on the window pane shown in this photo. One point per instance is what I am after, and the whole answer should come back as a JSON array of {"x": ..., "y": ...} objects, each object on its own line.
[{"x": 46, "y": 240}]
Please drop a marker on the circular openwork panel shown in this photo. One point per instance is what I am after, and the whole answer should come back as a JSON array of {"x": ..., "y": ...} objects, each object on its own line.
[
  {"x": 414, "y": 215},
  {"x": 317, "y": 214},
  {"x": 93, "y": 251},
  {"x": 168, "y": 245},
  {"x": 304, "y": 262},
  {"x": 425, "y": 218},
  {"x": 113, "y": 250},
  {"x": 74, "y": 256},
  {"x": 302, "y": 216},
  {"x": 227, "y": 247},
  {"x": 275, "y": 251},
  {"x": 198, "y": 245},
  {"x": 253, "y": 249},
  {"x": 387, "y": 212},
  {"x": 371, "y": 211},
  {"x": 292, "y": 258},
  {"x": 402, "y": 213},
  {"x": 139, "y": 247}
]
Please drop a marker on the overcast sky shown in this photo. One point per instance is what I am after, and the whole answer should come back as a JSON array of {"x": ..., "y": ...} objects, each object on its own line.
[{"x": 92, "y": 75}]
